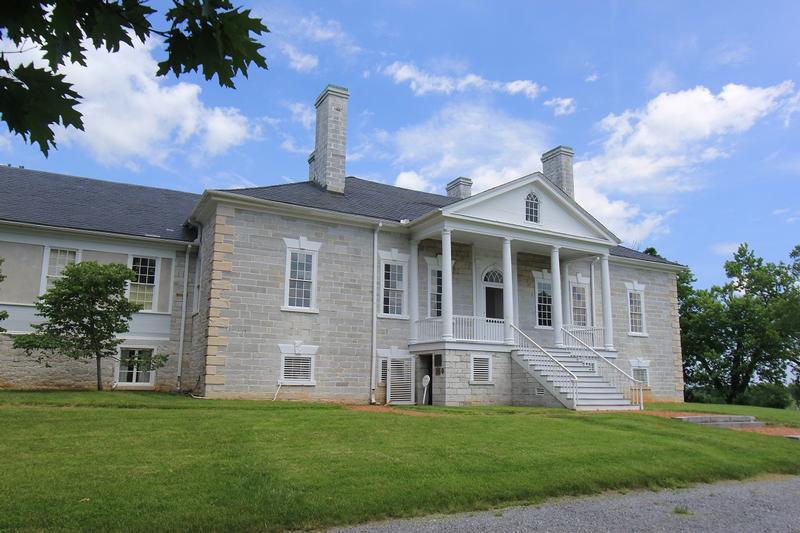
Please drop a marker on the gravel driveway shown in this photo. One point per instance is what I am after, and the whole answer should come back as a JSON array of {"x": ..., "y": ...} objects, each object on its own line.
[{"x": 769, "y": 505}]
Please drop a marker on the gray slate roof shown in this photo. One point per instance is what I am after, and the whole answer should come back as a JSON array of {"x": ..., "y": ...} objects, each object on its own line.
[
  {"x": 58, "y": 200},
  {"x": 71, "y": 202},
  {"x": 361, "y": 197}
]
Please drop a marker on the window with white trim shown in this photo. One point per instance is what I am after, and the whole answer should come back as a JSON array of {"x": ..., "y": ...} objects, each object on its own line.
[
  {"x": 481, "y": 369},
  {"x": 142, "y": 289},
  {"x": 544, "y": 302},
  {"x": 580, "y": 314},
  {"x": 393, "y": 288},
  {"x": 394, "y": 284},
  {"x": 636, "y": 309},
  {"x": 135, "y": 366},
  {"x": 640, "y": 370},
  {"x": 56, "y": 261},
  {"x": 301, "y": 275},
  {"x": 532, "y": 208},
  {"x": 435, "y": 298}
]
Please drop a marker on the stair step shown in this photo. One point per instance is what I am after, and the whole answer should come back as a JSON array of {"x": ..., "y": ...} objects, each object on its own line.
[
  {"x": 602, "y": 402},
  {"x": 705, "y": 419},
  {"x": 607, "y": 407}
]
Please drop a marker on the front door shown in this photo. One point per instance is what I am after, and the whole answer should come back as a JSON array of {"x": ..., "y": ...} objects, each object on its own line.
[{"x": 494, "y": 302}]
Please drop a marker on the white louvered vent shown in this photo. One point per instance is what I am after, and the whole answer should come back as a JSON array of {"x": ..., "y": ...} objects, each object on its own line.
[
  {"x": 481, "y": 369},
  {"x": 539, "y": 391},
  {"x": 298, "y": 369},
  {"x": 400, "y": 386}
]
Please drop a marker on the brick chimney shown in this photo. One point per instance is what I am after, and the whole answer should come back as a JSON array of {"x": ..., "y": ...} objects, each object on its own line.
[
  {"x": 557, "y": 167},
  {"x": 460, "y": 188},
  {"x": 326, "y": 162}
]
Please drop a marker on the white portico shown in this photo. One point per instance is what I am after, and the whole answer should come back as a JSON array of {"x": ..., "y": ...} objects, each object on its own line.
[{"x": 544, "y": 227}]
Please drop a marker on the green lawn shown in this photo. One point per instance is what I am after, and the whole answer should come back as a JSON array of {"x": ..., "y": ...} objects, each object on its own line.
[
  {"x": 779, "y": 417},
  {"x": 111, "y": 461}
]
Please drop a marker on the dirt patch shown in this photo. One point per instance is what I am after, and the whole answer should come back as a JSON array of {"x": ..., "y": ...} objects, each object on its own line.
[
  {"x": 393, "y": 410},
  {"x": 781, "y": 431}
]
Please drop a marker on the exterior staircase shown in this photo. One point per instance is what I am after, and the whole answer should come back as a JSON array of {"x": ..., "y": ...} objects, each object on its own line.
[{"x": 577, "y": 380}]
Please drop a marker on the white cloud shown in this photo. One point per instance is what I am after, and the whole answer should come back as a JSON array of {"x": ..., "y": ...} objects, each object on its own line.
[
  {"x": 470, "y": 139},
  {"x": 591, "y": 77},
  {"x": 302, "y": 113},
  {"x": 657, "y": 149},
  {"x": 131, "y": 116},
  {"x": 299, "y": 61},
  {"x": 730, "y": 54},
  {"x": 781, "y": 211},
  {"x": 725, "y": 248},
  {"x": 661, "y": 78},
  {"x": 314, "y": 29},
  {"x": 411, "y": 180},
  {"x": 561, "y": 106},
  {"x": 422, "y": 82}
]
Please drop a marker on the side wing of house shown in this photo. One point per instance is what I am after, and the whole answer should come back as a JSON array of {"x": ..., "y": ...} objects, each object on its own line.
[{"x": 34, "y": 259}]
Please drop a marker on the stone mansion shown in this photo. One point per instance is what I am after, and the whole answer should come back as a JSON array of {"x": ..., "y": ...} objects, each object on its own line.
[{"x": 346, "y": 290}]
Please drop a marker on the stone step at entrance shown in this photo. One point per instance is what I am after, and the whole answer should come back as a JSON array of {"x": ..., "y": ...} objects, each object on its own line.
[{"x": 722, "y": 421}]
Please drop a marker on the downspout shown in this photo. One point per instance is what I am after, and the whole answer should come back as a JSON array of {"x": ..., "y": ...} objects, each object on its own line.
[
  {"x": 182, "y": 335},
  {"x": 375, "y": 274}
]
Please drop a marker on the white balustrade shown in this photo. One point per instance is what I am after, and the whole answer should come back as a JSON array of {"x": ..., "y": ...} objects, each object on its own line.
[{"x": 589, "y": 335}]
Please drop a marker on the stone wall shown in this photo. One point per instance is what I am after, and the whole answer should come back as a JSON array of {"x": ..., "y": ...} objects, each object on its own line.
[{"x": 454, "y": 387}]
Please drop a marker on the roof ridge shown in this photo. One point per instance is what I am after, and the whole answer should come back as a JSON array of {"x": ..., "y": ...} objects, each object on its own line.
[{"x": 74, "y": 176}]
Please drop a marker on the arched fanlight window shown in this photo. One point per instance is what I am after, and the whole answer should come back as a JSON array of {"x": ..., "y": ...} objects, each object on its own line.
[
  {"x": 493, "y": 276},
  {"x": 532, "y": 208}
]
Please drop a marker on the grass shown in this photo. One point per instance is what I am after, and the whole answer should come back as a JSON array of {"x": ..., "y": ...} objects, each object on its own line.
[
  {"x": 681, "y": 510},
  {"x": 135, "y": 461},
  {"x": 780, "y": 417}
]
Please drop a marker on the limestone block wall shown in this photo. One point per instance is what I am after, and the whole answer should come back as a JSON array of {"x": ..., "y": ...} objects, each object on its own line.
[
  {"x": 246, "y": 294},
  {"x": 661, "y": 347},
  {"x": 526, "y": 391},
  {"x": 454, "y": 387}
]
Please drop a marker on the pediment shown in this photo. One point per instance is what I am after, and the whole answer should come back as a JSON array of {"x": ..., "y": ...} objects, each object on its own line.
[{"x": 557, "y": 212}]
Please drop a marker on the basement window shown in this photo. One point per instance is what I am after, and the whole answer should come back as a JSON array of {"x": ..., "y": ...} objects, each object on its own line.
[
  {"x": 135, "y": 367},
  {"x": 481, "y": 370}
]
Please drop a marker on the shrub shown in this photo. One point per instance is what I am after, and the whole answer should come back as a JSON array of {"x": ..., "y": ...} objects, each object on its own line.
[{"x": 767, "y": 395}]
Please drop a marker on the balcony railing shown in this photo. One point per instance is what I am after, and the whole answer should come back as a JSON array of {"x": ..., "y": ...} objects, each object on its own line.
[
  {"x": 465, "y": 328},
  {"x": 588, "y": 335}
]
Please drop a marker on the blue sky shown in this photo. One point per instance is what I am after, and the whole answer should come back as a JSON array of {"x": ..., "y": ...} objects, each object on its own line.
[{"x": 684, "y": 116}]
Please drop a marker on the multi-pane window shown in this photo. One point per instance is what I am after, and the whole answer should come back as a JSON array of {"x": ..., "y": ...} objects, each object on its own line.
[
  {"x": 393, "y": 289},
  {"x": 641, "y": 374},
  {"x": 636, "y": 311},
  {"x": 544, "y": 303},
  {"x": 301, "y": 265},
  {"x": 382, "y": 371},
  {"x": 135, "y": 366},
  {"x": 58, "y": 259},
  {"x": 532, "y": 208},
  {"x": 436, "y": 292},
  {"x": 579, "y": 306},
  {"x": 143, "y": 287}
]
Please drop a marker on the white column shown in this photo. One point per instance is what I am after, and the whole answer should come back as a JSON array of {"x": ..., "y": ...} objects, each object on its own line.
[
  {"x": 508, "y": 291},
  {"x": 608, "y": 327},
  {"x": 566, "y": 301},
  {"x": 555, "y": 268},
  {"x": 447, "y": 286},
  {"x": 413, "y": 282}
]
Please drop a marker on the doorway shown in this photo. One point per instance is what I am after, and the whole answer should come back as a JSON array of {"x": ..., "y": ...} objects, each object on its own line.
[
  {"x": 493, "y": 293},
  {"x": 425, "y": 368}
]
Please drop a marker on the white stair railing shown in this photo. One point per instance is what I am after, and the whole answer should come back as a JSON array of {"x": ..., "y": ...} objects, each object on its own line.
[
  {"x": 631, "y": 388},
  {"x": 548, "y": 365},
  {"x": 590, "y": 335}
]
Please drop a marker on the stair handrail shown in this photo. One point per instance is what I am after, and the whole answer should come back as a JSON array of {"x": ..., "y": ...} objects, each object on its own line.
[
  {"x": 573, "y": 378},
  {"x": 638, "y": 385}
]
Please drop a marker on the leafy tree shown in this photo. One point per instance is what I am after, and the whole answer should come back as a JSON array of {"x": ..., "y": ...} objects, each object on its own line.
[
  {"x": 3, "y": 314},
  {"x": 745, "y": 330},
  {"x": 207, "y": 35},
  {"x": 651, "y": 251},
  {"x": 84, "y": 312}
]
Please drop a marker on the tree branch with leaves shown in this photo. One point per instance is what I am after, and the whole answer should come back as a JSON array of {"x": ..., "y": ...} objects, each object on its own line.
[{"x": 211, "y": 36}]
